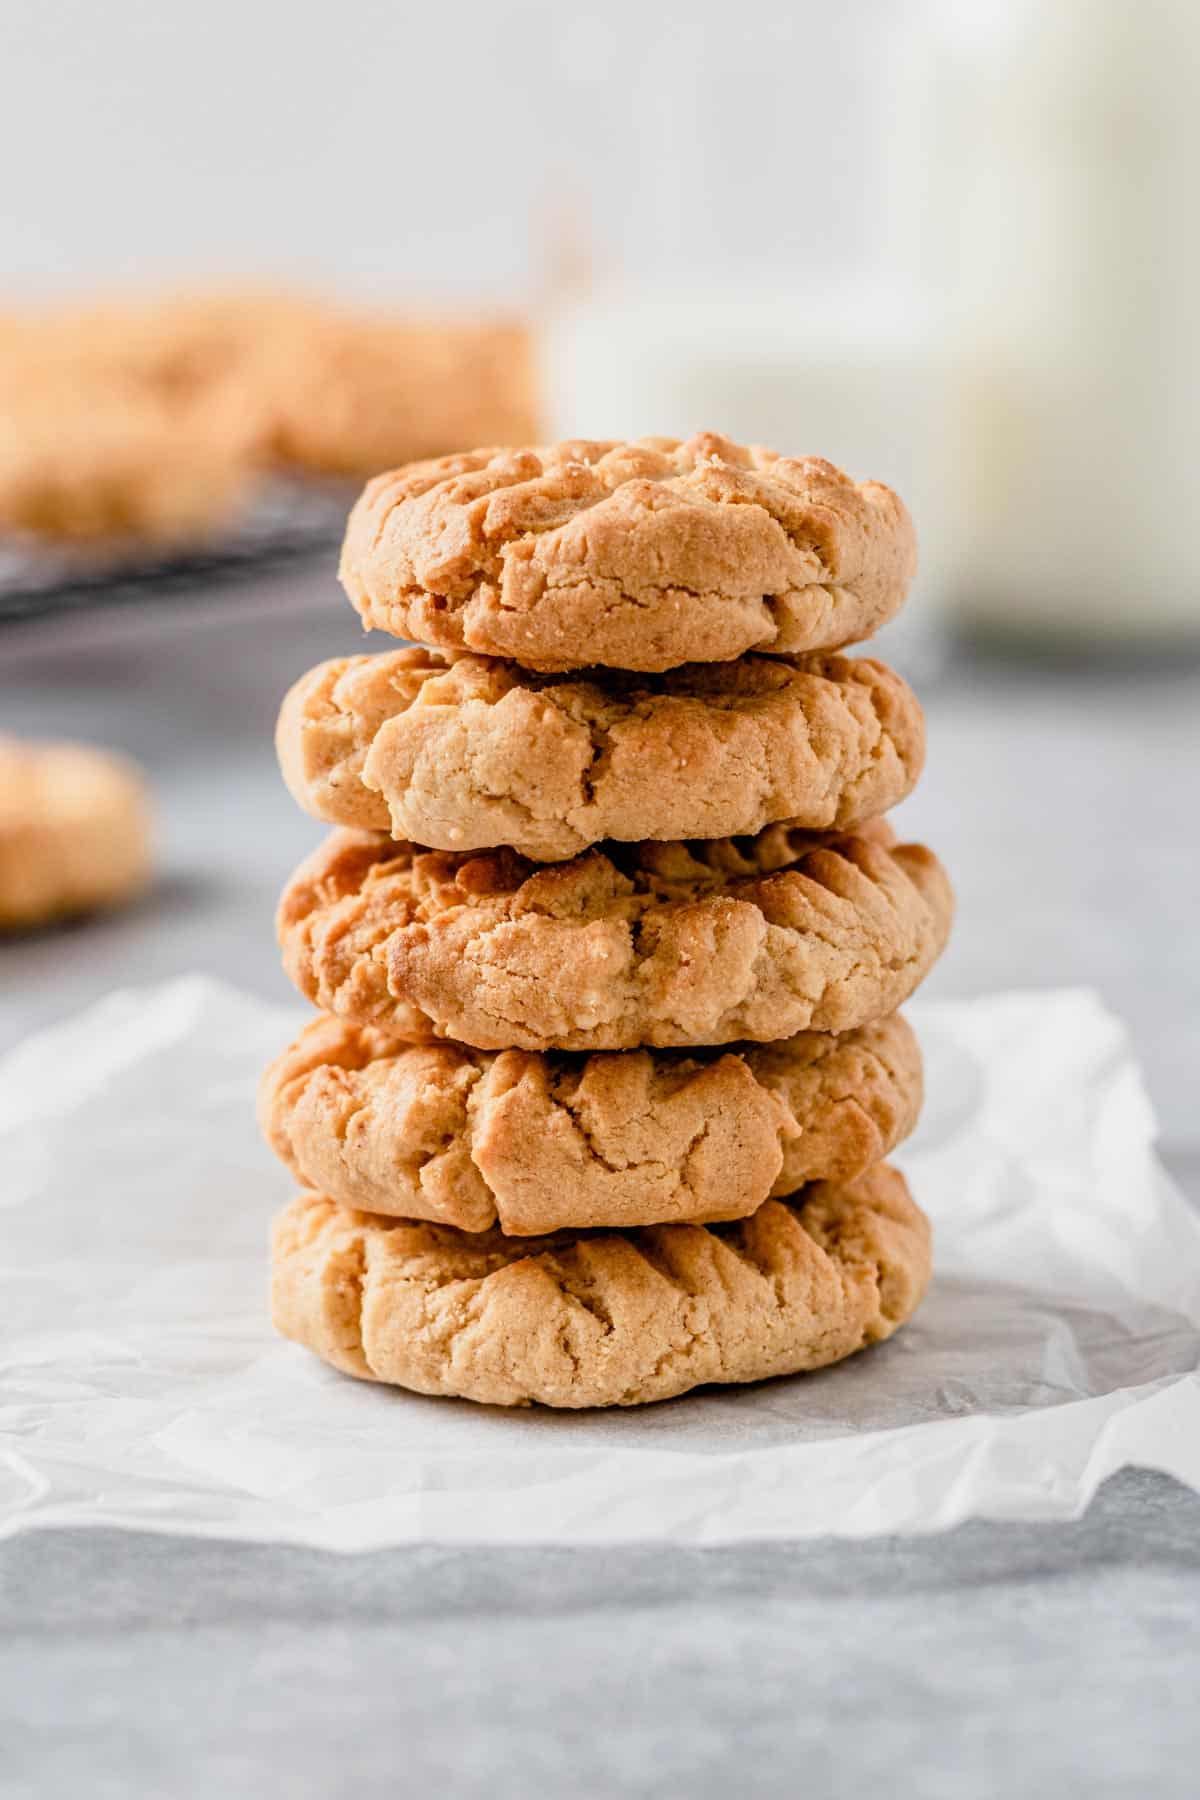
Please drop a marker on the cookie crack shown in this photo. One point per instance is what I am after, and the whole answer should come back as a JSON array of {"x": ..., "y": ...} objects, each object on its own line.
[
  {"x": 631, "y": 1166},
  {"x": 885, "y": 740},
  {"x": 354, "y": 1285},
  {"x": 583, "y": 1291}
]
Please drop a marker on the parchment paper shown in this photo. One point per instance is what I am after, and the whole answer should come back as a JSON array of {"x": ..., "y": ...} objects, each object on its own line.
[{"x": 141, "y": 1385}]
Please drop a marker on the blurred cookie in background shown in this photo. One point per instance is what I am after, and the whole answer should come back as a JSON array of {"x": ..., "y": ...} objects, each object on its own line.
[
  {"x": 101, "y": 470},
  {"x": 74, "y": 832},
  {"x": 116, "y": 434},
  {"x": 351, "y": 395},
  {"x": 155, "y": 420}
]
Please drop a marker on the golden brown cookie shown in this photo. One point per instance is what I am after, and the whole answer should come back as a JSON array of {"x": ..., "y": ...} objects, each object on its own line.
[
  {"x": 74, "y": 831},
  {"x": 528, "y": 1143},
  {"x": 608, "y": 1318},
  {"x": 640, "y": 555},
  {"x": 646, "y": 944},
  {"x": 466, "y": 752}
]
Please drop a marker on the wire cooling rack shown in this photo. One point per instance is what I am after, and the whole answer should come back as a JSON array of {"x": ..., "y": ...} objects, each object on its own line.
[{"x": 286, "y": 520}]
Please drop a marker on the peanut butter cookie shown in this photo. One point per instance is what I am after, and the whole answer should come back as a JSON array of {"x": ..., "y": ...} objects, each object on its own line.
[
  {"x": 605, "y": 1319},
  {"x": 366, "y": 391},
  {"x": 529, "y": 1144},
  {"x": 464, "y": 752},
  {"x": 74, "y": 831},
  {"x": 120, "y": 470},
  {"x": 640, "y": 555},
  {"x": 636, "y": 945}
]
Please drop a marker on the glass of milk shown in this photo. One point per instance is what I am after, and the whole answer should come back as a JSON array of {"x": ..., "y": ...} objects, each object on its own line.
[
  {"x": 1059, "y": 223},
  {"x": 855, "y": 379}
]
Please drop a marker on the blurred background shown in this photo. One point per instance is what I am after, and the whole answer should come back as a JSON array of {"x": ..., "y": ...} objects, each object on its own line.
[{"x": 250, "y": 254}]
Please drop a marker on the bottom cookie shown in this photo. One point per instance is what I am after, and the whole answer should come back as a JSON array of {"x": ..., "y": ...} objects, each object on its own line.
[{"x": 602, "y": 1318}]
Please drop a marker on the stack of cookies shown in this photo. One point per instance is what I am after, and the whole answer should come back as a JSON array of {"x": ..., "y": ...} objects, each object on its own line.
[{"x": 609, "y": 943}]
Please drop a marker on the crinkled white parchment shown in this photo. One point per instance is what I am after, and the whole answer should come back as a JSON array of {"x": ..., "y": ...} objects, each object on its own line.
[{"x": 142, "y": 1386}]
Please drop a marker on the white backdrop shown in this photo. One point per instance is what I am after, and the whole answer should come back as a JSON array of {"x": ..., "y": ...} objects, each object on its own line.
[{"x": 429, "y": 150}]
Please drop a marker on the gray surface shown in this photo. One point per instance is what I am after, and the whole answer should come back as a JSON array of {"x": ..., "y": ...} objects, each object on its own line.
[
  {"x": 994, "y": 1660},
  {"x": 1022, "y": 1661}
]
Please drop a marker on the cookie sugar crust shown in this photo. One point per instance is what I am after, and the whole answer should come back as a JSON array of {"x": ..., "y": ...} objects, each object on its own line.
[
  {"x": 637, "y": 555},
  {"x": 603, "y": 1319}
]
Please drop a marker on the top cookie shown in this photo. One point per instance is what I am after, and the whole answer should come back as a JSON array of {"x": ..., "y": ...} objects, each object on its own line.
[{"x": 638, "y": 556}]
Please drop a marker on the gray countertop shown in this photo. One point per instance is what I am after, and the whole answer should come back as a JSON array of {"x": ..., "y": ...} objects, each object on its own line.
[{"x": 993, "y": 1660}]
